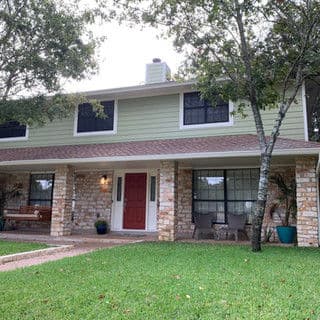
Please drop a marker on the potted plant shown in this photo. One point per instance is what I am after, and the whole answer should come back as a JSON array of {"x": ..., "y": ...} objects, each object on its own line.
[
  {"x": 288, "y": 201},
  {"x": 101, "y": 226}
]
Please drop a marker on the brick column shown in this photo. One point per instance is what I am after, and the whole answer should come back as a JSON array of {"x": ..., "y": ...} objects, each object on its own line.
[
  {"x": 168, "y": 201},
  {"x": 307, "y": 215},
  {"x": 62, "y": 201},
  {"x": 184, "y": 215}
]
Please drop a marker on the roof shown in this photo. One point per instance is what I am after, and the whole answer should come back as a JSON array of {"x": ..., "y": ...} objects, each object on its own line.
[{"x": 185, "y": 148}]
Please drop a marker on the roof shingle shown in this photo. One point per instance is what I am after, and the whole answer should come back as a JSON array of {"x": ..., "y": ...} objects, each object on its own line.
[{"x": 212, "y": 144}]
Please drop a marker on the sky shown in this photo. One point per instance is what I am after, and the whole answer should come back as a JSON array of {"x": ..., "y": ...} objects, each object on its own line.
[{"x": 123, "y": 57}]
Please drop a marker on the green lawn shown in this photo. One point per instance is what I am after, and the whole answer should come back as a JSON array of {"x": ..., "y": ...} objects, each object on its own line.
[
  {"x": 10, "y": 247},
  {"x": 168, "y": 281}
]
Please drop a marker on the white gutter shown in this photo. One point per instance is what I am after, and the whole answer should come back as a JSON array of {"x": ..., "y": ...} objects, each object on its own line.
[
  {"x": 161, "y": 88},
  {"x": 175, "y": 156}
]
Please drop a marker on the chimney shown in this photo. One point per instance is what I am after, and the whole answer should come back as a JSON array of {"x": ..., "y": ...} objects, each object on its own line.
[{"x": 157, "y": 72}]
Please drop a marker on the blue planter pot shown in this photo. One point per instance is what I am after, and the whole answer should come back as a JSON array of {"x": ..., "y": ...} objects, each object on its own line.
[
  {"x": 101, "y": 229},
  {"x": 287, "y": 234}
]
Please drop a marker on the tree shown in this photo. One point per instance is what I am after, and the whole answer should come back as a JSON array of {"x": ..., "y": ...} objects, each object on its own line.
[
  {"x": 256, "y": 51},
  {"x": 43, "y": 43}
]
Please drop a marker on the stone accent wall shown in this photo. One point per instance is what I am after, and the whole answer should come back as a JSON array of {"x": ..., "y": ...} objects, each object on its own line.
[
  {"x": 91, "y": 200},
  {"x": 184, "y": 216},
  {"x": 168, "y": 201},
  {"x": 10, "y": 180},
  {"x": 273, "y": 219},
  {"x": 307, "y": 217},
  {"x": 62, "y": 201}
]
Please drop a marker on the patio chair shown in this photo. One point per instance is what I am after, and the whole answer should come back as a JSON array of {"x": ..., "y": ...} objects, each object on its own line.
[
  {"x": 203, "y": 225},
  {"x": 236, "y": 223}
]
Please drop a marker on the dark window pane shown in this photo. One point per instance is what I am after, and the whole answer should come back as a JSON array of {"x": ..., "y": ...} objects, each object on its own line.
[
  {"x": 242, "y": 207},
  {"x": 88, "y": 121},
  {"x": 208, "y": 185},
  {"x": 12, "y": 129},
  {"x": 41, "y": 188},
  {"x": 119, "y": 188},
  {"x": 152, "y": 188},
  {"x": 216, "y": 207},
  {"x": 198, "y": 111},
  {"x": 242, "y": 184},
  {"x": 218, "y": 114}
]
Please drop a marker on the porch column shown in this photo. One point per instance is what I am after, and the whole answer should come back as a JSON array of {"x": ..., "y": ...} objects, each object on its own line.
[
  {"x": 168, "y": 201},
  {"x": 307, "y": 213},
  {"x": 62, "y": 201}
]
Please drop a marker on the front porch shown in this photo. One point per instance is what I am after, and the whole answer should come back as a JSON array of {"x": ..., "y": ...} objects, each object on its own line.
[{"x": 167, "y": 195}]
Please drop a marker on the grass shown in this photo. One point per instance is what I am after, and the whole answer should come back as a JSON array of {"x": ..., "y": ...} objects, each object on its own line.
[
  {"x": 10, "y": 247},
  {"x": 168, "y": 281}
]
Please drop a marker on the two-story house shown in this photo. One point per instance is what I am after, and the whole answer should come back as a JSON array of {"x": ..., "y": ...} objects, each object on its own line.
[{"x": 159, "y": 156}]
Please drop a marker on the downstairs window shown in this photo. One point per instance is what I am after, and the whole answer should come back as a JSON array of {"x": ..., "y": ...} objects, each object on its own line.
[
  {"x": 41, "y": 189},
  {"x": 222, "y": 191}
]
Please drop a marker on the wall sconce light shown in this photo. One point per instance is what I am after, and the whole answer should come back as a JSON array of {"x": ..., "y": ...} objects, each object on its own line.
[
  {"x": 104, "y": 183},
  {"x": 104, "y": 179}
]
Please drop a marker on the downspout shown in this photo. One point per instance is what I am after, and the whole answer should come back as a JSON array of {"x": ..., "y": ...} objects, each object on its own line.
[{"x": 318, "y": 201}]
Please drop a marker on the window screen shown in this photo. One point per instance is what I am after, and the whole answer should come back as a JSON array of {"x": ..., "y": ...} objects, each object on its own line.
[
  {"x": 199, "y": 111},
  {"x": 12, "y": 129},
  {"x": 88, "y": 121}
]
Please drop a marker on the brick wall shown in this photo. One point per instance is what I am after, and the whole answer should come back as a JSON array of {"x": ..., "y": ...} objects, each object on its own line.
[
  {"x": 62, "y": 201},
  {"x": 307, "y": 217},
  {"x": 91, "y": 200},
  {"x": 10, "y": 180},
  {"x": 184, "y": 223},
  {"x": 168, "y": 201}
]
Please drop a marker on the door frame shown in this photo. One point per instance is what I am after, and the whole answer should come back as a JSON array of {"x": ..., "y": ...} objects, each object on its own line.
[{"x": 117, "y": 206}]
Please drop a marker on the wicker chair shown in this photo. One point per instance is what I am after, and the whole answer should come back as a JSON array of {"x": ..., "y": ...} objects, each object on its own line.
[
  {"x": 203, "y": 225},
  {"x": 236, "y": 223}
]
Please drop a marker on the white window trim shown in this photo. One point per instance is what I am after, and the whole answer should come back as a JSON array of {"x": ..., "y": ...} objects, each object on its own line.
[
  {"x": 202, "y": 125},
  {"x": 97, "y": 133},
  {"x": 24, "y": 138}
]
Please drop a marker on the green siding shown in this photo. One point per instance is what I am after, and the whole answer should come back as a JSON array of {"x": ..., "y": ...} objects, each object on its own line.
[{"x": 156, "y": 118}]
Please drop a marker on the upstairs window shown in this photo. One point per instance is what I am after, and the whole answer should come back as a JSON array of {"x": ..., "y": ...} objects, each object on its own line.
[
  {"x": 12, "y": 130},
  {"x": 89, "y": 122},
  {"x": 197, "y": 111}
]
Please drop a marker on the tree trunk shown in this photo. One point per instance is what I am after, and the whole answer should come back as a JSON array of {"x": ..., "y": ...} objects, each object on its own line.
[{"x": 261, "y": 202}]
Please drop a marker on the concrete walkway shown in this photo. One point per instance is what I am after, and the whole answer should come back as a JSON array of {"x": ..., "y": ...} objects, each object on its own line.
[{"x": 80, "y": 245}]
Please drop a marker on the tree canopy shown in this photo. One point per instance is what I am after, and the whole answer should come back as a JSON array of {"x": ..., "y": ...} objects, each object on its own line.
[
  {"x": 256, "y": 52},
  {"x": 43, "y": 43}
]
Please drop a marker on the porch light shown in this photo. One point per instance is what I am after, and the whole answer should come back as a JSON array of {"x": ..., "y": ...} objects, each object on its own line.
[
  {"x": 104, "y": 183},
  {"x": 104, "y": 179}
]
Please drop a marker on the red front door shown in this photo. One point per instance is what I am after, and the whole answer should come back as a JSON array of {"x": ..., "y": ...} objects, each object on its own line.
[{"x": 134, "y": 211}]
